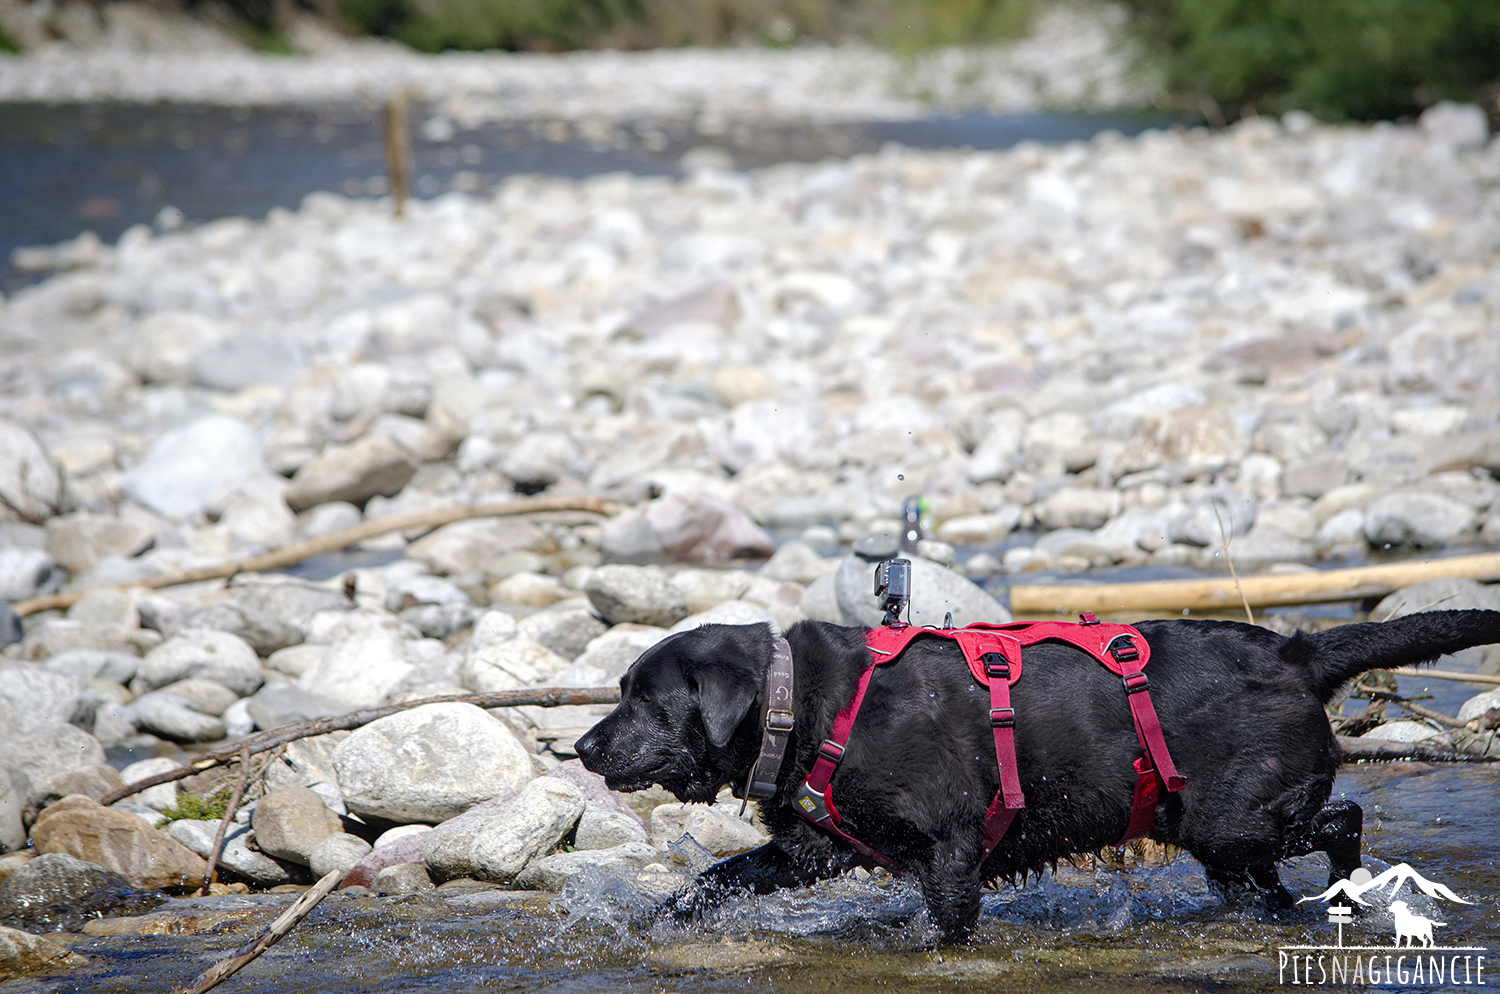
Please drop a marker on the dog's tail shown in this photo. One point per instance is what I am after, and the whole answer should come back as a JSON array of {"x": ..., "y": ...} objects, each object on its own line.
[{"x": 1339, "y": 654}]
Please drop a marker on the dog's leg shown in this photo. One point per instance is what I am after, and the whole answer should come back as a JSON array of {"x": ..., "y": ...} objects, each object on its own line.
[
  {"x": 760, "y": 870},
  {"x": 1267, "y": 882},
  {"x": 951, "y": 888}
]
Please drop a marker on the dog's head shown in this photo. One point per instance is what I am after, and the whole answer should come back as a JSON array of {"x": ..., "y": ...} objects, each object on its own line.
[{"x": 681, "y": 706}]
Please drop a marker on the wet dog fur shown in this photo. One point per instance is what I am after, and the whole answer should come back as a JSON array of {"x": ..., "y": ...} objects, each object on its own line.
[{"x": 1241, "y": 708}]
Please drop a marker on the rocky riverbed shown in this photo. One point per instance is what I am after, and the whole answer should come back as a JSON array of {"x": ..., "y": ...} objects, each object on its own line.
[{"x": 1282, "y": 336}]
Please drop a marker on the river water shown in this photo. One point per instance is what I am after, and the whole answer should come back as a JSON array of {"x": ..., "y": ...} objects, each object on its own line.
[
  {"x": 1154, "y": 928},
  {"x": 70, "y": 168}
]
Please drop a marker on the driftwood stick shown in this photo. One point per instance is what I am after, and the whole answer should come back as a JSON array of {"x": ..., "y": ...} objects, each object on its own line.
[
  {"x": 1261, "y": 591},
  {"x": 229, "y": 810},
  {"x": 288, "y": 919},
  {"x": 1416, "y": 709},
  {"x": 1448, "y": 675},
  {"x": 291, "y": 555},
  {"x": 542, "y": 697},
  {"x": 1355, "y": 750}
]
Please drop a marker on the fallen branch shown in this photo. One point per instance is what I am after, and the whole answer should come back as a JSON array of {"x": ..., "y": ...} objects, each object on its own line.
[
  {"x": 291, "y": 555},
  {"x": 1448, "y": 675},
  {"x": 543, "y": 697},
  {"x": 229, "y": 810},
  {"x": 1260, "y": 591},
  {"x": 1377, "y": 750},
  {"x": 288, "y": 919},
  {"x": 1416, "y": 709}
]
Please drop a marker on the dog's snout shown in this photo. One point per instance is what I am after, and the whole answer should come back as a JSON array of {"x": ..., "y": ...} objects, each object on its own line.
[{"x": 588, "y": 748}]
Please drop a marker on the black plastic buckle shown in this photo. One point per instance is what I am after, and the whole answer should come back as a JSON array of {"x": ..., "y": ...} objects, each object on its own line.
[
  {"x": 996, "y": 666},
  {"x": 778, "y": 720},
  {"x": 1123, "y": 649},
  {"x": 1002, "y": 717},
  {"x": 831, "y": 751},
  {"x": 1136, "y": 688}
]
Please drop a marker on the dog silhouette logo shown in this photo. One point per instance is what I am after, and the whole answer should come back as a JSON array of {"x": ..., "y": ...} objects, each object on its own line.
[{"x": 1412, "y": 927}]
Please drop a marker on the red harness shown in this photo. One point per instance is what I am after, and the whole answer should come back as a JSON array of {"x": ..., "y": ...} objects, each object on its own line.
[{"x": 993, "y": 653}]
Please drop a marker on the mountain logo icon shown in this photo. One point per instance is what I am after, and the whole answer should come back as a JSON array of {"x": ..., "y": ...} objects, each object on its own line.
[{"x": 1361, "y": 882}]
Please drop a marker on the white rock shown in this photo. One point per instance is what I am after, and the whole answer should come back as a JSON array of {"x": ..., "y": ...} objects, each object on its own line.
[
  {"x": 429, "y": 763},
  {"x": 23, "y": 572},
  {"x": 715, "y": 829},
  {"x": 554, "y": 872},
  {"x": 510, "y": 665},
  {"x": 188, "y": 467},
  {"x": 545, "y": 810},
  {"x": 163, "y": 795},
  {"x": 360, "y": 669},
  {"x": 203, "y": 654}
]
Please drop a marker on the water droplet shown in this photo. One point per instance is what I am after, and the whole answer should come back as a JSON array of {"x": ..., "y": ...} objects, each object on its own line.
[{"x": 900, "y": 476}]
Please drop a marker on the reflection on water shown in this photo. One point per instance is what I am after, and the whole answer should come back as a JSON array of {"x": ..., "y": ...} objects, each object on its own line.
[{"x": 1153, "y": 929}]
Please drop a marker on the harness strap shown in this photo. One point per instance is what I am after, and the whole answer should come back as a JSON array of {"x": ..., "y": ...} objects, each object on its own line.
[{"x": 814, "y": 799}]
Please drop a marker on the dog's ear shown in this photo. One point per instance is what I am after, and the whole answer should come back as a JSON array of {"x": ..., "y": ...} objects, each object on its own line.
[{"x": 725, "y": 696}]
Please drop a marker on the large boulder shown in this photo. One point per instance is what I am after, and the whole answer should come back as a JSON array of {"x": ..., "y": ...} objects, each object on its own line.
[
  {"x": 713, "y": 827},
  {"x": 49, "y": 749},
  {"x": 540, "y": 816},
  {"x": 936, "y": 592},
  {"x": 554, "y": 872},
  {"x": 116, "y": 840},
  {"x": 38, "y": 696},
  {"x": 430, "y": 763}
]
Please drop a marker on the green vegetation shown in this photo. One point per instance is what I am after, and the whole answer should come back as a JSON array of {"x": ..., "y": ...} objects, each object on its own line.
[
  {"x": 559, "y": 25},
  {"x": 191, "y": 808},
  {"x": 1336, "y": 58},
  {"x": 6, "y": 45}
]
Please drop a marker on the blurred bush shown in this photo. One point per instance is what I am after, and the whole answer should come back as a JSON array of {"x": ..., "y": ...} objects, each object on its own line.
[
  {"x": 558, "y": 25},
  {"x": 1336, "y": 58}
]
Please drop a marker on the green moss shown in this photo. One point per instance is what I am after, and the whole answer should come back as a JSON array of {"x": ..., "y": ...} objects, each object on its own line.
[
  {"x": 6, "y": 45},
  {"x": 191, "y": 808}
]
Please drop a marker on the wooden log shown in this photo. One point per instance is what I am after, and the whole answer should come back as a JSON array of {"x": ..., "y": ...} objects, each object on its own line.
[
  {"x": 1449, "y": 675},
  {"x": 1260, "y": 591},
  {"x": 1355, "y": 750},
  {"x": 291, "y": 555}
]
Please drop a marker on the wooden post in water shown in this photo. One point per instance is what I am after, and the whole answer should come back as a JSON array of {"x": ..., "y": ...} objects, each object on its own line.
[{"x": 398, "y": 148}]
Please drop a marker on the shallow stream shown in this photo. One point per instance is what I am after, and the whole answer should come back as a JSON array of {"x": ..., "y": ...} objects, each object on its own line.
[{"x": 1145, "y": 929}]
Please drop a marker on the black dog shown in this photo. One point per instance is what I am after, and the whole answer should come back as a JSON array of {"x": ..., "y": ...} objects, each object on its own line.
[{"x": 1241, "y": 707}]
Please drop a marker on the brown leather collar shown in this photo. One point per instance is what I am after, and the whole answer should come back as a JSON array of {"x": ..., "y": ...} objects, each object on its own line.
[{"x": 776, "y": 724}]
